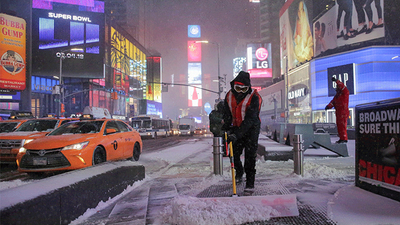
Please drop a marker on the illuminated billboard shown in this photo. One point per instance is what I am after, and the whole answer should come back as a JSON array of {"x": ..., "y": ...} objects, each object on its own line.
[
  {"x": 367, "y": 81},
  {"x": 194, "y": 73},
  {"x": 194, "y": 31},
  {"x": 295, "y": 19},
  {"x": 61, "y": 25},
  {"x": 195, "y": 97},
  {"x": 259, "y": 60},
  {"x": 239, "y": 64},
  {"x": 12, "y": 52},
  {"x": 366, "y": 22},
  {"x": 194, "y": 51}
]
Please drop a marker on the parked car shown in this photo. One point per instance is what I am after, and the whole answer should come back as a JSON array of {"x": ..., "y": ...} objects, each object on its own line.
[
  {"x": 80, "y": 144},
  {"x": 10, "y": 143},
  {"x": 14, "y": 121}
]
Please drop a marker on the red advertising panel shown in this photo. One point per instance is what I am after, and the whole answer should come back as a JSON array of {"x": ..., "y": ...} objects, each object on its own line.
[
  {"x": 378, "y": 147},
  {"x": 12, "y": 52},
  {"x": 195, "y": 97},
  {"x": 194, "y": 51}
]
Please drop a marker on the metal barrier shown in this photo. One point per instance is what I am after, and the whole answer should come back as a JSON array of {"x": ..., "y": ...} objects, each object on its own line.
[
  {"x": 298, "y": 156},
  {"x": 284, "y": 133},
  {"x": 218, "y": 145}
]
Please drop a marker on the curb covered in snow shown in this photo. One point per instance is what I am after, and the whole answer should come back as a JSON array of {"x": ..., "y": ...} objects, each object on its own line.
[{"x": 62, "y": 198}]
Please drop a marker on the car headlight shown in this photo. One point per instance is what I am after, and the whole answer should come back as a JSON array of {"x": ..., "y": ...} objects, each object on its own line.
[
  {"x": 22, "y": 150},
  {"x": 25, "y": 141},
  {"x": 78, "y": 146}
]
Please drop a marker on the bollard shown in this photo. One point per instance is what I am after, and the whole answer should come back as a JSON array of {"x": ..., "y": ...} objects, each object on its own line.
[
  {"x": 218, "y": 145},
  {"x": 298, "y": 154}
]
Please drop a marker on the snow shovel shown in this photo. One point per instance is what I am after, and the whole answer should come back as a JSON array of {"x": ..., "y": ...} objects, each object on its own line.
[
  {"x": 261, "y": 207},
  {"x": 282, "y": 205},
  {"x": 232, "y": 165}
]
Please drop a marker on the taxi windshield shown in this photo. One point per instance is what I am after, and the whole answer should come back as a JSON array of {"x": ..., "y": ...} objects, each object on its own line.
[
  {"x": 79, "y": 127},
  {"x": 38, "y": 125},
  {"x": 7, "y": 126}
]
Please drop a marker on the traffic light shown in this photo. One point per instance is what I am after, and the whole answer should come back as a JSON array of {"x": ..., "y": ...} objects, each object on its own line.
[
  {"x": 114, "y": 95},
  {"x": 73, "y": 101},
  {"x": 62, "y": 108}
]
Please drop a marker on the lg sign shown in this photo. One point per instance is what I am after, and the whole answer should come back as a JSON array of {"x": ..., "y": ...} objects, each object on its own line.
[{"x": 262, "y": 54}]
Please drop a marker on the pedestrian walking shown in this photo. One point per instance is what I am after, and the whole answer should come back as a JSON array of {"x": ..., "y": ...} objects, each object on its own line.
[
  {"x": 242, "y": 110},
  {"x": 341, "y": 104}
]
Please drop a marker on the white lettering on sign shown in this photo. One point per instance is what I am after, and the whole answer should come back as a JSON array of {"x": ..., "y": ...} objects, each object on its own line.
[
  {"x": 263, "y": 65},
  {"x": 377, "y": 122},
  {"x": 296, "y": 93},
  {"x": 342, "y": 77},
  {"x": 69, "y": 17},
  {"x": 40, "y": 87}
]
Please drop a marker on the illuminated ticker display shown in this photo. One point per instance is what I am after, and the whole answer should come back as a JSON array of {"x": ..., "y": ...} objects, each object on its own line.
[{"x": 61, "y": 25}]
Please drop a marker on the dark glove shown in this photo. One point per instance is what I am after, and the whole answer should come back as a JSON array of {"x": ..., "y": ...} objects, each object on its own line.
[
  {"x": 333, "y": 79},
  {"x": 326, "y": 107},
  {"x": 232, "y": 138}
]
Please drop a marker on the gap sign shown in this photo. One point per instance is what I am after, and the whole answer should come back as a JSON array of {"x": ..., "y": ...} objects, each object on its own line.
[{"x": 345, "y": 74}]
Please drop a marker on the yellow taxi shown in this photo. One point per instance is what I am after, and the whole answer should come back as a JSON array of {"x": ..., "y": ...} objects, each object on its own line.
[
  {"x": 7, "y": 126},
  {"x": 14, "y": 121},
  {"x": 80, "y": 144},
  {"x": 10, "y": 143}
]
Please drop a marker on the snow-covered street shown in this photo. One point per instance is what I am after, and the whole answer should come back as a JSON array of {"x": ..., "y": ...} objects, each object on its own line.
[{"x": 177, "y": 179}]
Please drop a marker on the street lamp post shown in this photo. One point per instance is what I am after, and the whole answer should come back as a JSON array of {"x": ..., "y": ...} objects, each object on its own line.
[
  {"x": 219, "y": 77},
  {"x": 286, "y": 89},
  {"x": 62, "y": 56}
]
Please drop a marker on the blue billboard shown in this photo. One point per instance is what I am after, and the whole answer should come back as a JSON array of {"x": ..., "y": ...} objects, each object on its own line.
[
  {"x": 194, "y": 31},
  {"x": 376, "y": 75}
]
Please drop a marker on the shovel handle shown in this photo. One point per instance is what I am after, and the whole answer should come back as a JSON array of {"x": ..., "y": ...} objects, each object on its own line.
[{"x": 232, "y": 164}]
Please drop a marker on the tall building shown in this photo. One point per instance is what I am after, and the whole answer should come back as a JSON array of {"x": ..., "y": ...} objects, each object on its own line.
[
  {"x": 252, "y": 20},
  {"x": 132, "y": 16},
  {"x": 269, "y": 31}
]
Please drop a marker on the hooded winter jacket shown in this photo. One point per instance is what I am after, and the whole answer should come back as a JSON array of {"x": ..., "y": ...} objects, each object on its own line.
[
  {"x": 242, "y": 109},
  {"x": 341, "y": 104},
  {"x": 341, "y": 100}
]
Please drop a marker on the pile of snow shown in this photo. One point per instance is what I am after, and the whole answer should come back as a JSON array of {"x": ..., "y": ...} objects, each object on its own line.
[{"x": 194, "y": 211}]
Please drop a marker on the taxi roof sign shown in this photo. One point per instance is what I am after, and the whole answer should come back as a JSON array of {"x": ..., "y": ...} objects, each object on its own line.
[
  {"x": 86, "y": 117},
  {"x": 21, "y": 115}
]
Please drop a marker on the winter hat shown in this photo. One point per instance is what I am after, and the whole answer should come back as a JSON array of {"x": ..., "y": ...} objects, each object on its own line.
[{"x": 243, "y": 78}]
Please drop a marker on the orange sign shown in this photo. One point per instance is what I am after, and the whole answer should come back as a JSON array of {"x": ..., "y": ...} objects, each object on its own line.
[{"x": 12, "y": 52}]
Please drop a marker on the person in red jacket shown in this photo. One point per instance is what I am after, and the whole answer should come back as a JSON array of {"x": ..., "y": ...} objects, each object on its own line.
[
  {"x": 341, "y": 104},
  {"x": 242, "y": 119}
]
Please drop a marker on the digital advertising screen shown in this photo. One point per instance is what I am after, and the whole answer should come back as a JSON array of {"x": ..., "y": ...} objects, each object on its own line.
[
  {"x": 194, "y": 96},
  {"x": 239, "y": 64},
  {"x": 365, "y": 23},
  {"x": 70, "y": 29},
  {"x": 194, "y": 73},
  {"x": 295, "y": 23},
  {"x": 194, "y": 31},
  {"x": 154, "y": 108},
  {"x": 194, "y": 51},
  {"x": 259, "y": 60}
]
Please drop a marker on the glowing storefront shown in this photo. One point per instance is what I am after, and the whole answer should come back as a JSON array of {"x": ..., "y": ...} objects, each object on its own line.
[{"x": 371, "y": 74}]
